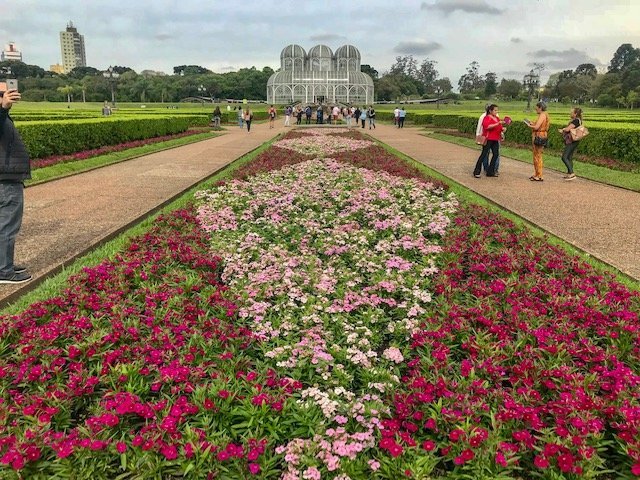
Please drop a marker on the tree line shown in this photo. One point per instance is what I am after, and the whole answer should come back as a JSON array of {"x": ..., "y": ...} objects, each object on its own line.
[{"x": 406, "y": 79}]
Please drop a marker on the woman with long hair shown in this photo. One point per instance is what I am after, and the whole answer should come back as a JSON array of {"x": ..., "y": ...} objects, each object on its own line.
[
  {"x": 492, "y": 128},
  {"x": 570, "y": 144}
]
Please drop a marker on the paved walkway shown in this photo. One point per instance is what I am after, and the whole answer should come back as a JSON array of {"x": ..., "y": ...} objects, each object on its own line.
[
  {"x": 66, "y": 218},
  {"x": 603, "y": 221}
]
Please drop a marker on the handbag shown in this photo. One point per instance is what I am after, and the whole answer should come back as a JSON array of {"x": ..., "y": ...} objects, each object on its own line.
[
  {"x": 481, "y": 140},
  {"x": 578, "y": 133},
  {"x": 567, "y": 138},
  {"x": 540, "y": 141}
]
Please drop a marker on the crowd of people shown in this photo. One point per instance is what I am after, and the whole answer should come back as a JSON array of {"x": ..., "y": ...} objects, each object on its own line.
[
  {"x": 352, "y": 116},
  {"x": 490, "y": 132}
]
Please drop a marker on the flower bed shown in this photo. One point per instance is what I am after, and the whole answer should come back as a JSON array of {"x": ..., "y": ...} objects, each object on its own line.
[{"x": 327, "y": 321}]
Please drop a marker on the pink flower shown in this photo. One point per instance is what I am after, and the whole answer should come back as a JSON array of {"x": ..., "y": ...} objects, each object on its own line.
[
  {"x": 121, "y": 447},
  {"x": 254, "y": 468}
]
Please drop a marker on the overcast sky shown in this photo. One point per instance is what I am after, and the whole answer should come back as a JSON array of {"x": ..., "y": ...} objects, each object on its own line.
[{"x": 504, "y": 36}]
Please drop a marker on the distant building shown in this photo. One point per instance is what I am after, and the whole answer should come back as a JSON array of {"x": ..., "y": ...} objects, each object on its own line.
[
  {"x": 57, "y": 68},
  {"x": 72, "y": 48},
  {"x": 320, "y": 77},
  {"x": 11, "y": 52}
]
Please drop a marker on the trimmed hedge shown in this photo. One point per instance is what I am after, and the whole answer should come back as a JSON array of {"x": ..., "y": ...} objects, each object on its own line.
[{"x": 47, "y": 138}]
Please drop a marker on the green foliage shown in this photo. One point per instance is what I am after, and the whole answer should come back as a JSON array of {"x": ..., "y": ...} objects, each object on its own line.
[{"x": 47, "y": 138}]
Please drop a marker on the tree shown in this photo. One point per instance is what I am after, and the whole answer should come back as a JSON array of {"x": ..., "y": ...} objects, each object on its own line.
[
  {"x": 490, "y": 84},
  {"x": 190, "y": 70},
  {"x": 442, "y": 86},
  {"x": 509, "y": 88},
  {"x": 427, "y": 75},
  {"x": 369, "y": 70},
  {"x": 405, "y": 65},
  {"x": 625, "y": 57},
  {"x": 80, "y": 72},
  {"x": 588, "y": 69},
  {"x": 68, "y": 91},
  {"x": 471, "y": 80}
]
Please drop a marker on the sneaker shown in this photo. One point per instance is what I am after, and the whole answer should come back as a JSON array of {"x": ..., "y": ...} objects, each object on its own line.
[
  {"x": 19, "y": 269},
  {"x": 16, "y": 278},
  {"x": 477, "y": 175},
  {"x": 570, "y": 177}
]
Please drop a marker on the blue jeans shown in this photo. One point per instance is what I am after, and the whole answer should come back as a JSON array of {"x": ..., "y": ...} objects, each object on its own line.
[
  {"x": 240, "y": 122},
  {"x": 483, "y": 159},
  {"x": 11, "y": 208}
]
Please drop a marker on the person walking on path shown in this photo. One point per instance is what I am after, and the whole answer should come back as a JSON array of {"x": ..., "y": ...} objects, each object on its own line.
[
  {"x": 299, "y": 115},
  {"x": 346, "y": 113},
  {"x": 287, "y": 116},
  {"x": 335, "y": 112},
  {"x": 371, "y": 113},
  {"x": 248, "y": 117},
  {"x": 272, "y": 116},
  {"x": 307, "y": 112},
  {"x": 402, "y": 114},
  {"x": 539, "y": 135},
  {"x": 570, "y": 144},
  {"x": 396, "y": 116},
  {"x": 492, "y": 128},
  {"x": 216, "y": 117},
  {"x": 363, "y": 117},
  {"x": 14, "y": 170},
  {"x": 319, "y": 115},
  {"x": 240, "y": 118}
]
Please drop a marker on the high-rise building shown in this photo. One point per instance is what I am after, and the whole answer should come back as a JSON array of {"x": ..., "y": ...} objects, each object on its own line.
[
  {"x": 11, "y": 52},
  {"x": 72, "y": 47}
]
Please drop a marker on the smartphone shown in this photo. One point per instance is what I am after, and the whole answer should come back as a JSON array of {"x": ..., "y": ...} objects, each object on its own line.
[
  {"x": 526, "y": 120},
  {"x": 12, "y": 84}
]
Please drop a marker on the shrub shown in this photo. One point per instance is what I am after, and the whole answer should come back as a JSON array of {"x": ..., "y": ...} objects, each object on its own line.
[{"x": 46, "y": 138}]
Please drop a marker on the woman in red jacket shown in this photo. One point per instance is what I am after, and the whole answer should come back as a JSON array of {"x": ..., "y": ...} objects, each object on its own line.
[{"x": 492, "y": 128}]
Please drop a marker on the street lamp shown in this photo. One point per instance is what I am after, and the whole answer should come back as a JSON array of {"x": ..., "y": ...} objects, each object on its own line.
[
  {"x": 203, "y": 90},
  {"x": 112, "y": 78}
]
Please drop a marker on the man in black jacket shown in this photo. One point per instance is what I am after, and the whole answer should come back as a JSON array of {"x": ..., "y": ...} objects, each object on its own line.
[{"x": 15, "y": 168}]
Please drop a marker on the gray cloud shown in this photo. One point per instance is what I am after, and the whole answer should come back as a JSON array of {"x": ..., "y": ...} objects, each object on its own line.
[
  {"x": 562, "y": 59},
  {"x": 467, "y": 6},
  {"x": 327, "y": 37},
  {"x": 516, "y": 40},
  {"x": 163, "y": 36},
  {"x": 416, "y": 47}
]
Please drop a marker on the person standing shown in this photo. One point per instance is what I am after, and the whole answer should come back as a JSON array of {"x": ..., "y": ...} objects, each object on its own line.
[
  {"x": 570, "y": 148},
  {"x": 363, "y": 117},
  {"x": 402, "y": 113},
  {"x": 106, "y": 109},
  {"x": 272, "y": 116},
  {"x": 299, "y": 115},
  {"x": 248, "y": 117},
  {"x": 371, "y": 113},
  {"x": 216, "y": 117},
  {"x": 307, "y": 112},
  {"x": 356, "y": 115},
  {"x": 336, "y": 113},
  {"x": 240, "y": 118},
  {"x": 287, "y": 116},
  {"x": 346, "y": 113},
  {"x": 396, "y": 115},
  {"x": 539, "y": 130},
  {"x": 492, "y": 128},
  {"x": 319, "y": 115},
  {"x": 14, "y": 170}
]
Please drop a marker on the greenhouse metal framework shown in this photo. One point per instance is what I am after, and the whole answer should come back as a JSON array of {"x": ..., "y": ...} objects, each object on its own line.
[{"x": 320, "y": 77}]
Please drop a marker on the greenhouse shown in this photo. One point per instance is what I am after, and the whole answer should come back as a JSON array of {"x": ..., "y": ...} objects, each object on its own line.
[{"x": 320, "y": 76}]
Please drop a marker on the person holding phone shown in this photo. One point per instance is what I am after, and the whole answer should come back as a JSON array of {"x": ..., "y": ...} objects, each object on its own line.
[
  {"x": 13, "y": 172},
  {"x": 570, "y": 147},
  {"x": 492, "y": 128}
]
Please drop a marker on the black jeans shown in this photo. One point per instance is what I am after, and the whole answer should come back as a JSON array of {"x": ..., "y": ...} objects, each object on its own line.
[
  {"x": 567, "y": 156},
  {"x": 11, "y": 209},
  {"x": 494, "y": 146}
]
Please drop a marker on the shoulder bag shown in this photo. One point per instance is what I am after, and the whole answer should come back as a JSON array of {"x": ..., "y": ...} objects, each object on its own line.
[{"x": 579, "y": 133}]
